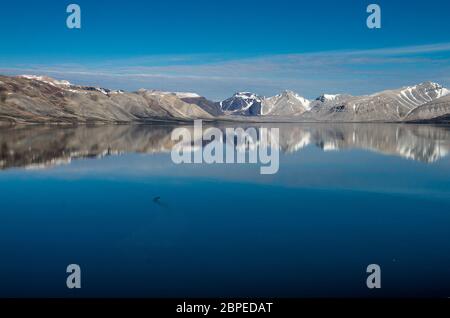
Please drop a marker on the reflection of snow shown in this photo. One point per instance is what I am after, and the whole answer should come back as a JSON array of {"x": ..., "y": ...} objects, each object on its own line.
[
  {"x": 294, "y": 142},
  {"x": 304, "y": 141},
  {"x": 39, "y": 147},
  {"x": 54, "y": 162},
  {"x": 330, "y": 146},
  {"x": 429, "y": 153}
]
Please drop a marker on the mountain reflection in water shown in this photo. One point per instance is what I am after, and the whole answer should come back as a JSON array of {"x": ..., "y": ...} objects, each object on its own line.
[{"x": 42, "y": 146}]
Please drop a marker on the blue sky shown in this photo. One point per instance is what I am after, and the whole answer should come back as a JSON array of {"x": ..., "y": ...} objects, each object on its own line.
[{"x": 218, "y": 47}]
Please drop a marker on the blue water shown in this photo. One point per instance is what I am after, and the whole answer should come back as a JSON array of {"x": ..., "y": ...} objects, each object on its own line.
[{"x": 226, "y": 230}]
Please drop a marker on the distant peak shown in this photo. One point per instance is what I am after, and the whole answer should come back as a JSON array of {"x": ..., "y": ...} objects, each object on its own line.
[
  {"x": 427, "y": 87},
  {"x": 431, "y": 84},
  {"x": 46, "y": 79},
  {"x": 163, "y": 93},
  {"x": 291, "y": 94},
  {"x": 247, "y": 96},
  {"x": 187, "y": 95},
  {"x": 244, "y": 94},
  {"x": 327, "y": 97},
  {"x": 424, "y": 85}
]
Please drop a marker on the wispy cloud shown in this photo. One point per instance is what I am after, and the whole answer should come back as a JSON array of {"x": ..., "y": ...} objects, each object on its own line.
[
  {"x": 406, "y": 50},
  {"x": 310, "y": 74}
]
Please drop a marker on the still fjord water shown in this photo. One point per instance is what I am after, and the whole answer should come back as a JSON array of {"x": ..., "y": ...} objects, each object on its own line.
[{"x": 345, "y": 196}]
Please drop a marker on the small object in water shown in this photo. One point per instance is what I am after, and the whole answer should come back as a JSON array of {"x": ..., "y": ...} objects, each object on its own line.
[{"x": 156, "y": 199}]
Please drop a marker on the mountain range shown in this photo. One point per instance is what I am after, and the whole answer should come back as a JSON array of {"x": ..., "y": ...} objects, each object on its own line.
[{"x": 40, "y": 99}]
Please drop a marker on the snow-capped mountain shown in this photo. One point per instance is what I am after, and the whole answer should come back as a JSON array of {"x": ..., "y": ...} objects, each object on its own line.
[
  {"x": 31, "y": 98},
  {"x": 242, "y": 103},
  {"x": 413, "y": 96},
  {"x": 407, "y": 98},
  {"x": 390, "y": 105},
  {"x": 286, "y": 103},
  {"x": 250, "y": 104}
]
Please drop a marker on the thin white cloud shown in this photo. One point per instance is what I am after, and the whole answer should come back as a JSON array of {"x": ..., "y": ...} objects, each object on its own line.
[{"x": 351, "y": 71}]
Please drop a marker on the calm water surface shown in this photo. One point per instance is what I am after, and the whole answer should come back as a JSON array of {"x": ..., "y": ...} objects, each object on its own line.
[{"x": 345, "y": 196}]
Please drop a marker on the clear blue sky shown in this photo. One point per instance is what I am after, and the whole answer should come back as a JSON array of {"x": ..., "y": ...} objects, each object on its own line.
[{"x": 218, "y": 47}]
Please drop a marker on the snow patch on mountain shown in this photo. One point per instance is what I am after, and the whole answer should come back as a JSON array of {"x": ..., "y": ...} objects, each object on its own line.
[
  {"x": 178, "y": 94},
  {"x": 47, "y": 80},
  {"x": 328, "y": 97}
]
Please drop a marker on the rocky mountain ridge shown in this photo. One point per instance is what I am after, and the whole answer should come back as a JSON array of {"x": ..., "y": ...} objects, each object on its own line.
[{"x": 40, "y": 99}]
